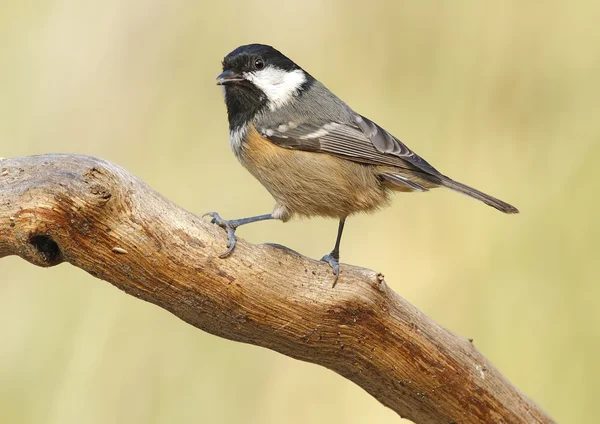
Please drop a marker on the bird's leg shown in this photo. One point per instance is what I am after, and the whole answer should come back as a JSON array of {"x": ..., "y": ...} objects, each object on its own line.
[
  {"x": 333, "y": 259},
  {"x": 231, "y": 225}
]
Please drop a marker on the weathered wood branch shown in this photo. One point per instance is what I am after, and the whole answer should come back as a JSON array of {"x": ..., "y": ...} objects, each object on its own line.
[{"x": 98, "y": 217}]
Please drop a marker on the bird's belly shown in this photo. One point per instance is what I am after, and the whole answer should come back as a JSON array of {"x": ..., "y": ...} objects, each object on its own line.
[{"x": 308, "y": 183}]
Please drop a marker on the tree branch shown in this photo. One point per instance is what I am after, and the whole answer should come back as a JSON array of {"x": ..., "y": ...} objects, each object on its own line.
[{"x": 100, "y": 218}]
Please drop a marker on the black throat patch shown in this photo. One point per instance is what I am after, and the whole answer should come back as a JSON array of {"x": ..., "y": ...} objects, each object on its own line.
[{"x": 244, "y": 101}]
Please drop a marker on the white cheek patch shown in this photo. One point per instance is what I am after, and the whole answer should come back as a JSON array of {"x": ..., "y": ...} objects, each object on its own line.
[{"x": 278, "y": 85}]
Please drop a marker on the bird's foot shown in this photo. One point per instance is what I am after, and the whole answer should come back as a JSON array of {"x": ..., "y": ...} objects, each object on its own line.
[
  {"x": 334, "y": 263},
  {"x": 229, "y": 226}
]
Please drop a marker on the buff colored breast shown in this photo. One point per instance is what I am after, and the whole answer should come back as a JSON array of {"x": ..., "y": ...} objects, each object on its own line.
[{"x": 311, "y": 184}]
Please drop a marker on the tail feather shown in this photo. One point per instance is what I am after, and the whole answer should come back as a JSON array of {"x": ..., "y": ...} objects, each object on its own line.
[{"x": 485, "y": 198}]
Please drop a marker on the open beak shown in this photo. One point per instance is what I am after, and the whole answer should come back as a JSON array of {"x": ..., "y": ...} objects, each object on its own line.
[{"x": 229, "y": 77}]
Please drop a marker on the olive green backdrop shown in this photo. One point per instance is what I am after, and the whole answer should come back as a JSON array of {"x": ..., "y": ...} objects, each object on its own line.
[{"x": 502, "y": 95}]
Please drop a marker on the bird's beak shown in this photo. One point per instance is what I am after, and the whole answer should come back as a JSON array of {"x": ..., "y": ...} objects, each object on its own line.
[{"x": 229, "y": 77}]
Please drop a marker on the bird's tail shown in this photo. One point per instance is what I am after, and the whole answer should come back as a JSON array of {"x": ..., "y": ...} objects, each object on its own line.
[{"x": 485, "y": 198}]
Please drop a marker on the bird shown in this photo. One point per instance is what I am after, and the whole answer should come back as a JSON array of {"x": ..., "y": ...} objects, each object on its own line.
[{"x": 313, "y": 153}]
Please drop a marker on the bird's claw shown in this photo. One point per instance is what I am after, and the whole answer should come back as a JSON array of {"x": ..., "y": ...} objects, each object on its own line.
[
  {"x": 216, "y": 219},
  {"x": 334, "y": 263},
  {"x": 227, "y": 226}
]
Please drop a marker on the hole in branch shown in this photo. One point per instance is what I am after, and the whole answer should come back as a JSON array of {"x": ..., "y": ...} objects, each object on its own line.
[{"x": 47, "y": 248}]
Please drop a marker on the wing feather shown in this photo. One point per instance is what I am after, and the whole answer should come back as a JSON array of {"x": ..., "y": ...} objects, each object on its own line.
[{"x": 360, "y": 140}]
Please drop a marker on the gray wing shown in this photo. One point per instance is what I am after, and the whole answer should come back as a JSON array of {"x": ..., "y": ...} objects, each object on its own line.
[{"x": 360, "y": 140}]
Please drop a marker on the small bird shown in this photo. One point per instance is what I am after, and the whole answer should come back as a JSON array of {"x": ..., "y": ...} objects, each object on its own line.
[{"x": 313, "y": 152}]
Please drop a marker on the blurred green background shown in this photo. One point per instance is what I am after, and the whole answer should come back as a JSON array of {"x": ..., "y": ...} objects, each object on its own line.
[{"x": 500, "y": 95}]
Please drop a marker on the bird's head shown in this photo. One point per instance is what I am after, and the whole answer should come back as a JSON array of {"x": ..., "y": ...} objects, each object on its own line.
[{"x": 257, "y": 75}]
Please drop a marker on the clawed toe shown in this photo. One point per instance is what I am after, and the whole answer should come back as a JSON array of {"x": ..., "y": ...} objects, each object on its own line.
[
  {"x": 335, "y": 266},
  {"x": 228, "y": 226},
  {"x": 216, "y": 219},
  {"x": 231, "y": 240}
]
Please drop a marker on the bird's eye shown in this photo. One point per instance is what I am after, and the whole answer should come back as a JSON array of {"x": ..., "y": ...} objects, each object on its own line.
[{"x": 259, "y": 64}]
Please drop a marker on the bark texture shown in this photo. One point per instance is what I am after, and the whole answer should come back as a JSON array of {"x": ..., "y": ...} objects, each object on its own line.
[{"x": 98, "y": 217}]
